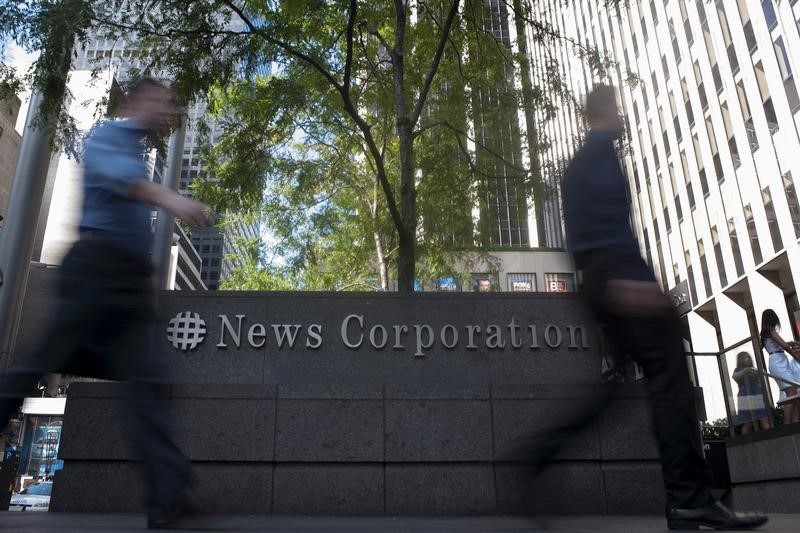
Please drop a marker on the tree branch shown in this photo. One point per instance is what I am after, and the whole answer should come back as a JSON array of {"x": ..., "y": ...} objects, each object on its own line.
[
  {"x": 289, "y": 49},
  {"x": 443, "y": 38},
  {"x": 348, "y": 63}
]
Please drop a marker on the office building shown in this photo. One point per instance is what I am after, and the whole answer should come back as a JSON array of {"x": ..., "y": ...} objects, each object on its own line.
[
  {"x": 9, "y": 149},
  {"x": 115, "y": 60},
  {"x": 711, "y": 156}
]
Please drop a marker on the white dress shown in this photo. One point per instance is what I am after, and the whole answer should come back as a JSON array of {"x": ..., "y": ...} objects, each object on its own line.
[{"x": 780, "y": 365}]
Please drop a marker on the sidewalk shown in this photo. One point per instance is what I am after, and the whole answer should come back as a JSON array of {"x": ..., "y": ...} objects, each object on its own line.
[{"x": 79, "y": 523}]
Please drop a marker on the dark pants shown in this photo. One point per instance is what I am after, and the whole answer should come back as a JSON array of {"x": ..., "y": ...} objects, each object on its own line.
[
  {"x": 655, "y": 343},
  {"x": 100, "y": 328}
]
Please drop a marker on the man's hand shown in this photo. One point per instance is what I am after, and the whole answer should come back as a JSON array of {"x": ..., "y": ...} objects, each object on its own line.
[
  {"x": 636, "y": 298},
  {"x": 190, "y": 211}
]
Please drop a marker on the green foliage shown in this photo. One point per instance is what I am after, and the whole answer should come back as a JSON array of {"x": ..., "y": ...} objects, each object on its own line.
[
  {"x": 51, "y": 27},
  {"x": 358, "y": 153},
  {"x": 716, "y": 429}
]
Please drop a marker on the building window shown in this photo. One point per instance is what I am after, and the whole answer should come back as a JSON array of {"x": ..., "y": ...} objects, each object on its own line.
[
  {"x": 786, "y": 71},
  {"x": 448, "y": 284},
  {"x": 753, "y": 235},
  {"x": 557, "y": 282},
  {"x": 214, "y": 261},
  {"x": 717, "y": 78},
  {"x": 644, "y": 29},
  {"x": 205, "y": 261},
  {"x": 735, "y": 249},
  {"x": 690, "y": 278},
  {"x": 769, "y": 13},
  {"x": 792, "y": 201},
  {"x": 522, "y": 282},
  {"x": 772, "y": 118},
  {"x": 213, "y": 275},
  {"x": 701, "y": 11},
  {"x": 703, "y": 182},
  {"x": 723, "y": 276},
  {"x": 690, "y": 194},
  {"x": 485, "y": 283},
  {"x": 215, "y": 248},
  {"x": 732, "y": 59},
  {"x": 734, "y": 150},
  {"x": 704, "y": 271},
  {"x": 772, "y": 220},
  {"x": 205, "y": 249},
  {"x": 678, "y": 208},
  {"x": 718, "y": 168},
  {"x": 750, "y": 37}
]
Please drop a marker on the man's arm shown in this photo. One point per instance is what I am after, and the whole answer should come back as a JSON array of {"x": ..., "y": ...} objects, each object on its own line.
[{"x": 188, "y": 210}]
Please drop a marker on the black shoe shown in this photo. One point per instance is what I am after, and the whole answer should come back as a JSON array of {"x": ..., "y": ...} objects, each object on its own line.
[
  {"x": 715, "y": 516},
  {"x": 173, "y": 517}
]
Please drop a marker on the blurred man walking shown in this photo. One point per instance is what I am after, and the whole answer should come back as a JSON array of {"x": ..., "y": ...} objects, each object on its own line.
[
  {"x": 639, "y": 319},
  {"x": 107, "y": 297}
]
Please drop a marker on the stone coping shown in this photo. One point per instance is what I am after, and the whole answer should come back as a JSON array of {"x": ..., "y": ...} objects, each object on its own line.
[{"x": 763, "y": 435}]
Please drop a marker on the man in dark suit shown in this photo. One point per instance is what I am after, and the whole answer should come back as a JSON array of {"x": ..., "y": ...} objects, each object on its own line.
[{"x": 639, "y": 319}]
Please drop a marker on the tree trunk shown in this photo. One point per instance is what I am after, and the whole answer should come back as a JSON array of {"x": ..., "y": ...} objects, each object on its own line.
[
  {"x": 383, "y": 267},
  {"x": 406, "y": 254},
  {"x": 407, "y": 234},
  {"x": 530, "y": 126}
]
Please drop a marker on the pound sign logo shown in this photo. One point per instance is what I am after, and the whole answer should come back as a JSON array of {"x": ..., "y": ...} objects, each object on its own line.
[{"x": 186, "y": 331}]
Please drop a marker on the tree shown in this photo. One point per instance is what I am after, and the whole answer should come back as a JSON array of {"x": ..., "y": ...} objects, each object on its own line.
[{"x": 394, "y": 102}]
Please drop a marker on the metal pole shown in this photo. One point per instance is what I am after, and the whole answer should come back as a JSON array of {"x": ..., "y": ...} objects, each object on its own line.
[
  {"x": 19, "y": 226},
  {"x": 162, "y": 242}
]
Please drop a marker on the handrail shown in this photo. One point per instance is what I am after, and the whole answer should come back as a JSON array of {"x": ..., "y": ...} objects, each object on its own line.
[{"x": 789, "y": 381}]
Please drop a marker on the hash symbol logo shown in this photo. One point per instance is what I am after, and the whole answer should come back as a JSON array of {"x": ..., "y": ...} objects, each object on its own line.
[{"x": 186, "y": 331}]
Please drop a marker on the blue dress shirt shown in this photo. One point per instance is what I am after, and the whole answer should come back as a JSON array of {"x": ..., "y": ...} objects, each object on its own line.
[{"x": 112, "y": 163}]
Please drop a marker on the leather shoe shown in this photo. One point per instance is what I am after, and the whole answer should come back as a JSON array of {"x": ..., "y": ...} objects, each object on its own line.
[{"x": 715, "y": 516}]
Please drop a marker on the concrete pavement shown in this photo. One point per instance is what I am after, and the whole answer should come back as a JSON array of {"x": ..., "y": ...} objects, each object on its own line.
[{"x": 96, "y": 523}]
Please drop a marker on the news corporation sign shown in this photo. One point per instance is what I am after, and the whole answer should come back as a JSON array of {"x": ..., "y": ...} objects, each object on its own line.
[{"x": 188, "y": 330}]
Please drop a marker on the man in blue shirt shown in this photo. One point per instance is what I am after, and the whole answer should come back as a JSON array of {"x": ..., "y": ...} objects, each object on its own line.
[
  {"x": 107, "y": 296},
  {"x": 638, "y": 319}
]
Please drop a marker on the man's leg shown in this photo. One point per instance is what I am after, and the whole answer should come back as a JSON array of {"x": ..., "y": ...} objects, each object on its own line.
[
  {"x": 655, "y": 343},
  {"x": 166, "y": 470},
  {"x": 72, "y": 316}
]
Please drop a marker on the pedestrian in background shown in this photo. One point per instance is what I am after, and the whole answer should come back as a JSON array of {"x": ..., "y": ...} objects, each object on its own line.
[
  {"x": 780, "y": 352},
  {"x": 107, "y": 296},
  {"x": 752, "y": 413}
]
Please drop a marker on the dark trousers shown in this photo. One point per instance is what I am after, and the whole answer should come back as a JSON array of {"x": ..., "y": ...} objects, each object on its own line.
[
  {"x": 100, "y": 328},
  {"x": 655, "y": 343}
]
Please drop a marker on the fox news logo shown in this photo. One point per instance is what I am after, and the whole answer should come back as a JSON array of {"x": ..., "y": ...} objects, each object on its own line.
[{"x": 186, "y": 331}]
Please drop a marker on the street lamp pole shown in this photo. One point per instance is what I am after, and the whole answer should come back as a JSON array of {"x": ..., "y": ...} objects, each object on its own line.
[
  {"x": 162, "y": 241},
  {"x": 19, "y": 225}
]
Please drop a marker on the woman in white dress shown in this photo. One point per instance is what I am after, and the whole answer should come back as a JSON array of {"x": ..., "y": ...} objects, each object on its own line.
[{"x": 779, "y": 365}]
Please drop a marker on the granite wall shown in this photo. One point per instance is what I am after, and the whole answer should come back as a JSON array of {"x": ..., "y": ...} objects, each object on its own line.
[
  {"x": 333, "y": 425},
  {"x": 765, "y": 469}
]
